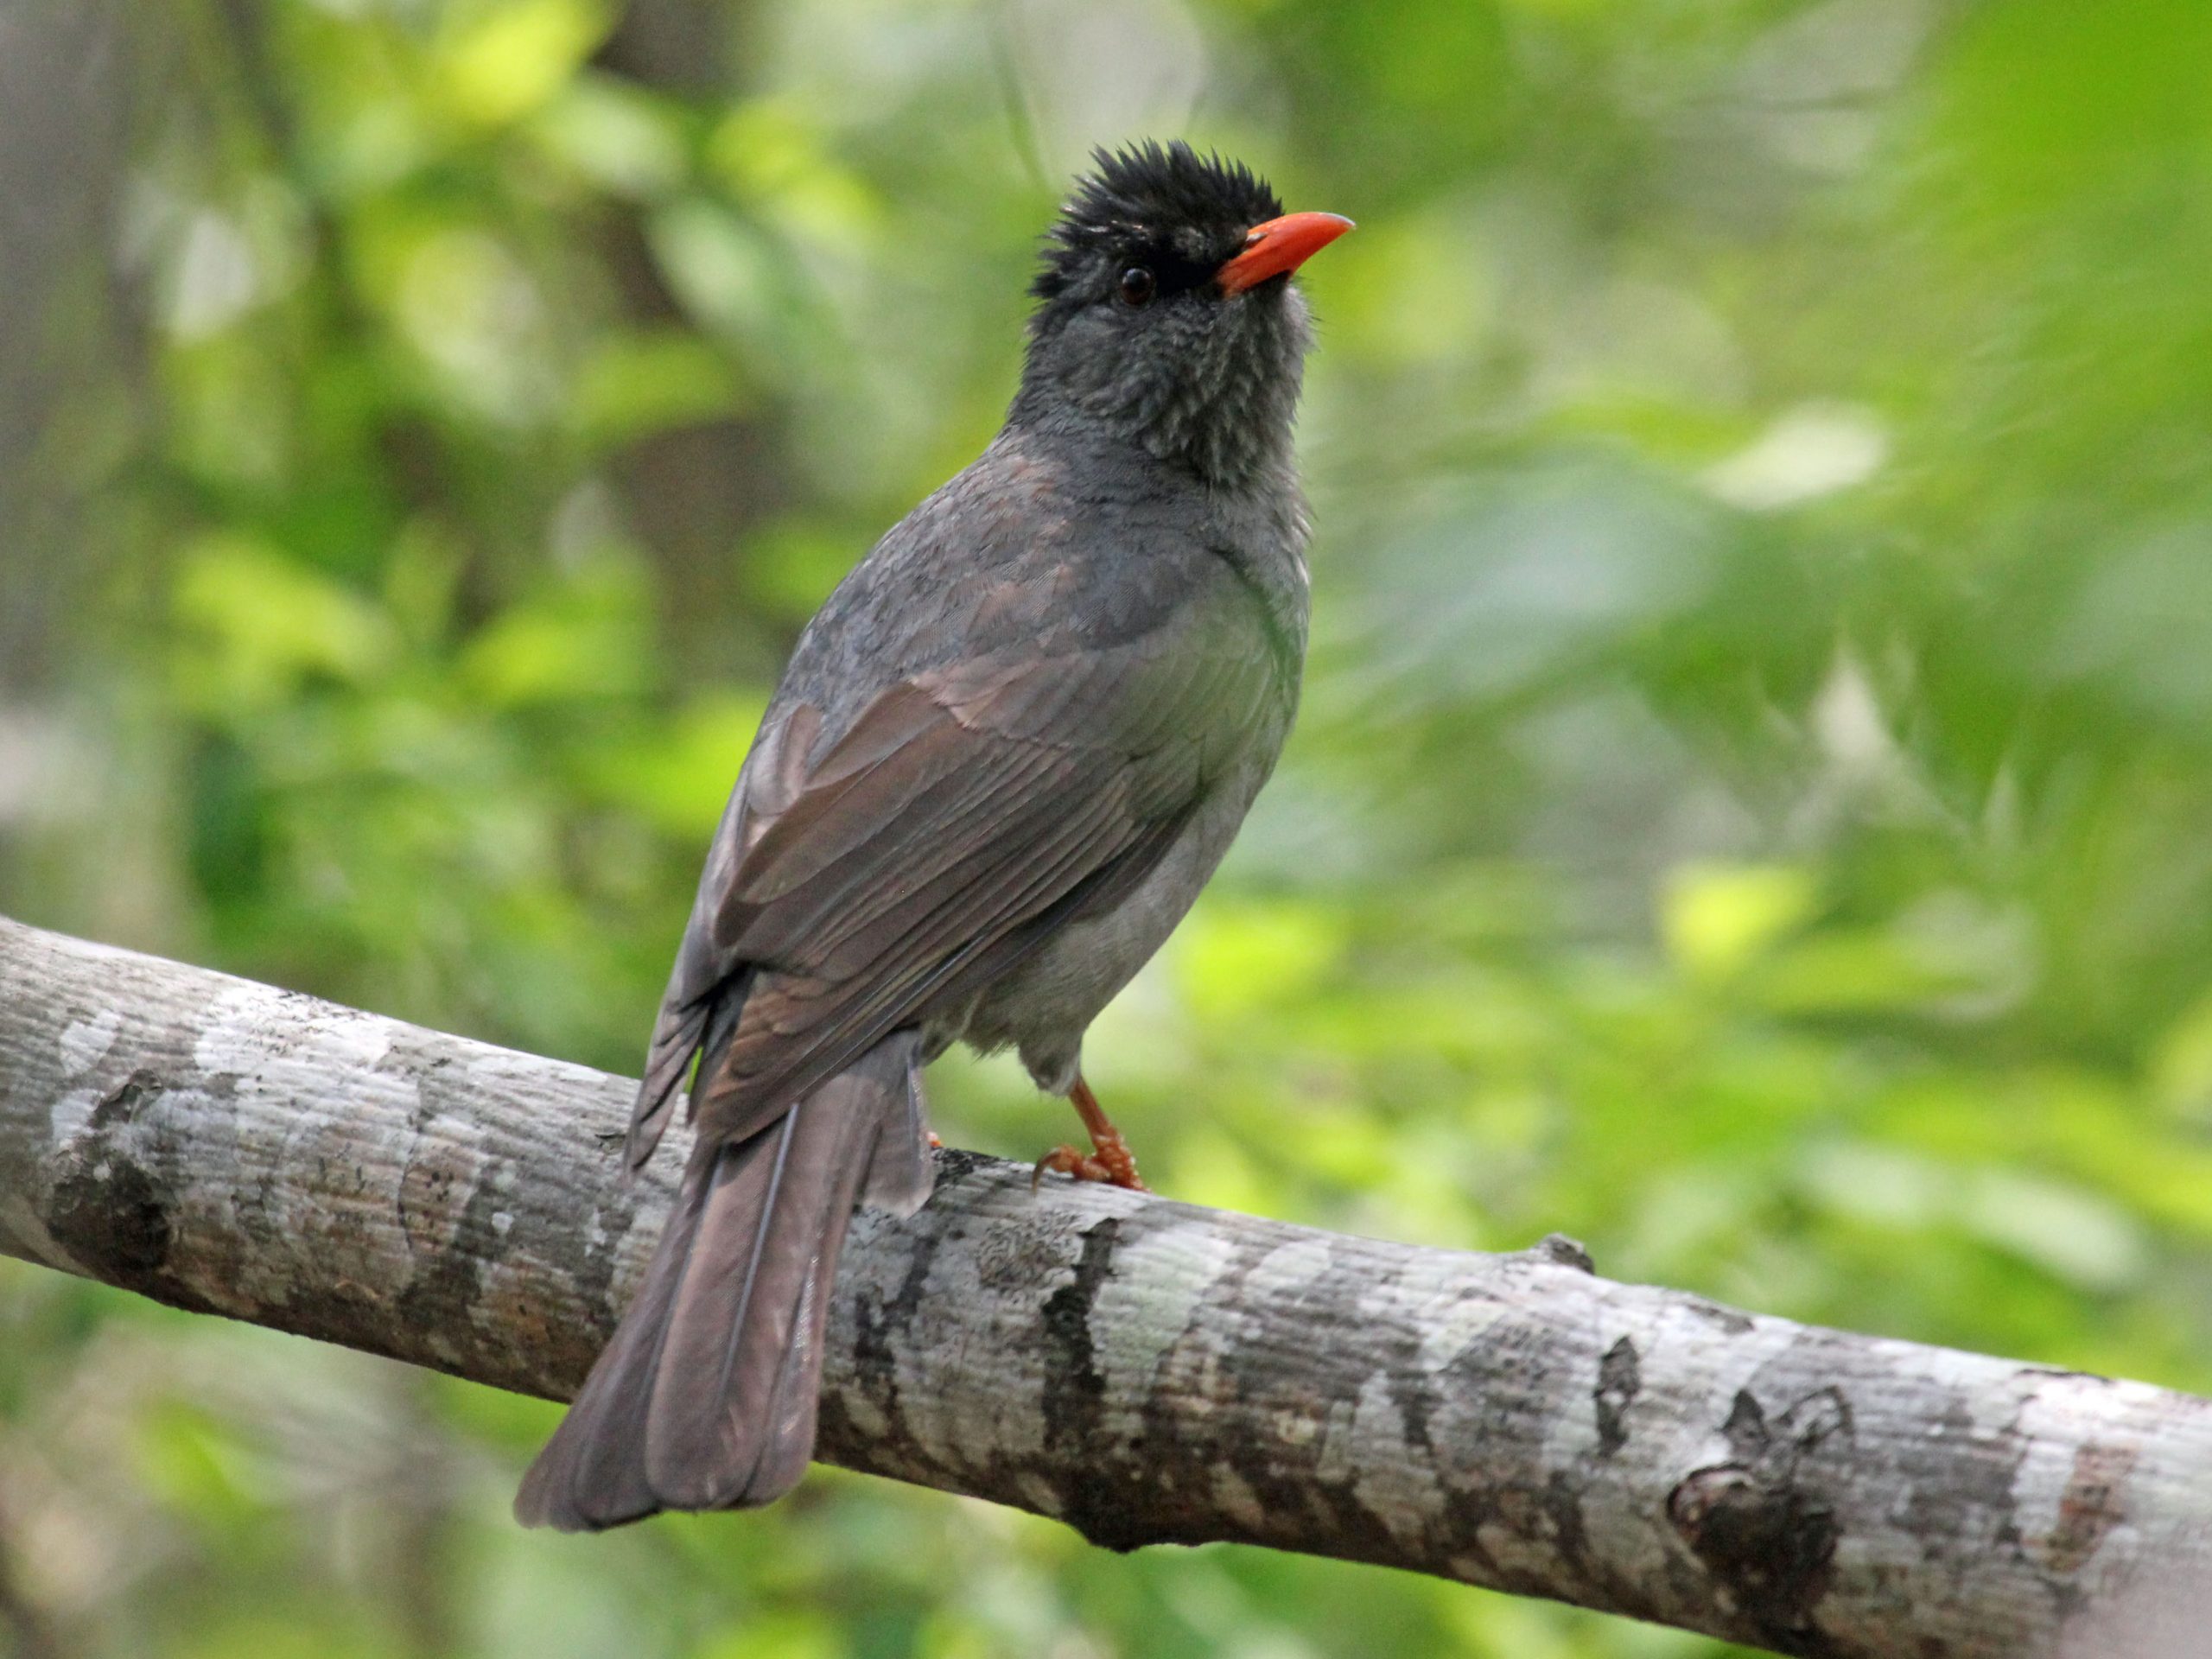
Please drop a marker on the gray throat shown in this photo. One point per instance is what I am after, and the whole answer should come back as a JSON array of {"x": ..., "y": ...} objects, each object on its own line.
[{"x": 1222, "y": 406}]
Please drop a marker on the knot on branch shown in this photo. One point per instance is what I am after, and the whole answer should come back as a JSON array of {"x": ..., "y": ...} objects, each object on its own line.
[
  {"x": 1763, "y": 1529},
  {"x": 1558, "y": 1250}
]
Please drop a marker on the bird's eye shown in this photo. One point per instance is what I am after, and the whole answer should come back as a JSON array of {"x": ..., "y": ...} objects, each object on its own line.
[{"x": 1137, "y": 286}]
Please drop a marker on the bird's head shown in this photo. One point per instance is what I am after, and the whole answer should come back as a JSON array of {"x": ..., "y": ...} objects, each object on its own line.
[{"x": 1165, "y": 312}]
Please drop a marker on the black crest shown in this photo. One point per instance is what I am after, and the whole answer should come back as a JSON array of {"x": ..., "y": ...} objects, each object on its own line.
[{"x": 1167, "y": 203}]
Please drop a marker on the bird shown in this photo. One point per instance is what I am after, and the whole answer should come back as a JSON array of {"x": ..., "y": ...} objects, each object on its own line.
[{"x": 1002, "y": 760}]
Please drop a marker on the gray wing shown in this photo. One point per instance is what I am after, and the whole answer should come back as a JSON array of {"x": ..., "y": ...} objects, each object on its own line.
[{"x": 963, "y": 813}]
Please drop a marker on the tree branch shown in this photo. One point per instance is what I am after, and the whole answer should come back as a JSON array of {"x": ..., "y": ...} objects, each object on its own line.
[{"x": 1146, "y": 1371}]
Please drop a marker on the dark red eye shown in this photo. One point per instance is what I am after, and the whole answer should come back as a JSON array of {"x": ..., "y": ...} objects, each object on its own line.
[{"x": 1137, "y": 286}]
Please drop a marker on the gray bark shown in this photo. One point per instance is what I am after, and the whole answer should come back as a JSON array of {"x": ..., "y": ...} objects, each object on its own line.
[{"x": 1145, "y": 1370}]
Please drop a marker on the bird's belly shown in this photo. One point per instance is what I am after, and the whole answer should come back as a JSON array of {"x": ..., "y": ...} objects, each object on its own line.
[{"x": 1043, "y": 1006}]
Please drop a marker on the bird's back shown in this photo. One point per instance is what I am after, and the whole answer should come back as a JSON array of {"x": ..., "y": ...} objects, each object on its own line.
[{"x": 1048, "y": 544}]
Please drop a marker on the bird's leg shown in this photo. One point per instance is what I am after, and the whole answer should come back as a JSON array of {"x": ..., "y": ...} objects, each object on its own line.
[{"x": 1110, "y": 1158}]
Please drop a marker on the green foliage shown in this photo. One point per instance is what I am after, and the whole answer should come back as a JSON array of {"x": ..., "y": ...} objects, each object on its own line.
[{"x": 1749, "y": 812}]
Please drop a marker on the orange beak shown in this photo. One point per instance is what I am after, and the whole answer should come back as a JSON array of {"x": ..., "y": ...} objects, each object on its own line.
[{"x": 1279, "y": 247}]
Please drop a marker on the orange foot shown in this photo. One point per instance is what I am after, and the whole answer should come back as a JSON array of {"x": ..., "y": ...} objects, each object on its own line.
[{"x": 1110, "y": 1159}]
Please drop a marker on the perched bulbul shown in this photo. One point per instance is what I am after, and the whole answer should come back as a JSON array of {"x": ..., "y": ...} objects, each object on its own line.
[{"x": 1004, "y": 756}]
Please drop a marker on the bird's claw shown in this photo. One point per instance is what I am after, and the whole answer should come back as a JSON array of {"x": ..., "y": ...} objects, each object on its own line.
[{"x": 1112, "y": 1163}]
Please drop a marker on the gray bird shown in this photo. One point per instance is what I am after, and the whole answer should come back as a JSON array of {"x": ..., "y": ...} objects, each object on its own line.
[{"x": 1004, "y": 756}]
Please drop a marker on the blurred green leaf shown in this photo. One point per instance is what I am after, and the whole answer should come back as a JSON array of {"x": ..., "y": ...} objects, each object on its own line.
[
  {"x": 584, "y": 639},
  {"x": 1716, "y": 919},
  {"x": 680, "y": 778},
  {"x": 637, "y": 383},
  {"x": 259, "y": 623},
  {"x": 505, "y": 58}
]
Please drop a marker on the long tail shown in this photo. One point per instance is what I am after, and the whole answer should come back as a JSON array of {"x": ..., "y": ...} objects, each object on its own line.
[{"x": 705, "y": 1398}]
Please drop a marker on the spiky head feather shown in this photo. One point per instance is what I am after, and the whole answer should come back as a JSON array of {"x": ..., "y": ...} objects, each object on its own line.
[{"x": 1163, "y": 203}]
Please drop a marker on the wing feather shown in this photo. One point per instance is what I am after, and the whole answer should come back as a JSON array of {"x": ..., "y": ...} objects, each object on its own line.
[{"x": 929, "y": 844}]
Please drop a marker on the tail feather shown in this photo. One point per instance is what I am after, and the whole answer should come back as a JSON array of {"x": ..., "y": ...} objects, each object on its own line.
[
  {"x": 797, "y": 1399},
  {"x": 592, "y": 1473},
  {"x": 774, "y": 1216},
  {"x": 901, "y": 1173},
  {"x": 706, "y": 1397}
]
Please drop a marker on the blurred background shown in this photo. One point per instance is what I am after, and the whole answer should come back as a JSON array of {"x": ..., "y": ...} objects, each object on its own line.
[{"x": 1752, "y": 809}]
